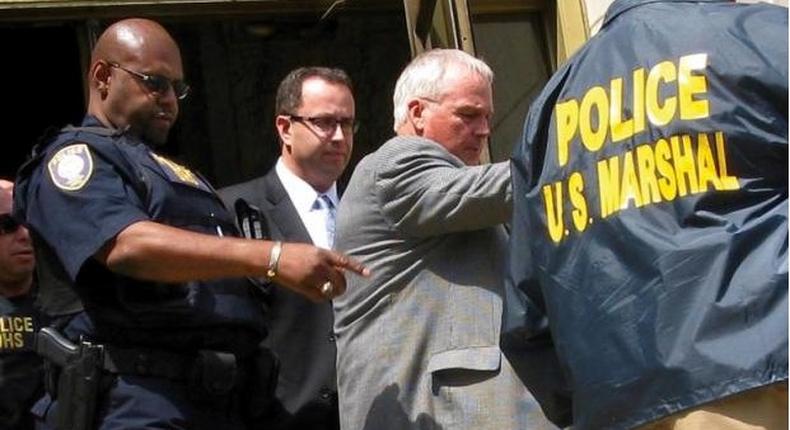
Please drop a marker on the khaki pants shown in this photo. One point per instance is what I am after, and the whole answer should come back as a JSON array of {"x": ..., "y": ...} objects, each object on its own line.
[{"x": 762, "y": 408}]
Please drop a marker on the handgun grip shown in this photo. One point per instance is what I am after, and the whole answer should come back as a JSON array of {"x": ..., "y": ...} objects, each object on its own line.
[{"x": 54, "y": 347}]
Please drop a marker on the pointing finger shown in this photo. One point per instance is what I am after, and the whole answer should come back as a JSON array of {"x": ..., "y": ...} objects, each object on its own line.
[{"x": 342, "y": 262}]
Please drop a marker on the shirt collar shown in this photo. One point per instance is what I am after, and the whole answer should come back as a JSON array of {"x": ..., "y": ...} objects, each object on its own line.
[
  {"x": 302, "y": 194},
  {"x": 91, "y": 121}
]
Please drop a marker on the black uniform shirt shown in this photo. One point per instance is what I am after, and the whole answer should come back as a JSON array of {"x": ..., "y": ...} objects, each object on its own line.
[{"x": 86, "y": 189}]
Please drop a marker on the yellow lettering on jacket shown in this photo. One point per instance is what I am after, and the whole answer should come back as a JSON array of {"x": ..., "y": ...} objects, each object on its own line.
[
  {"x": 671, "y": 89},
  {"x": 679, "y": 160},
  {"x": 13, "y": 330},
  {"x": 662, "y": 171}
]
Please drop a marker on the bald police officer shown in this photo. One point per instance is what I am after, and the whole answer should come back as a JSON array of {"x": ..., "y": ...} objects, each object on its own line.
[{"x": 145, "y": 244}]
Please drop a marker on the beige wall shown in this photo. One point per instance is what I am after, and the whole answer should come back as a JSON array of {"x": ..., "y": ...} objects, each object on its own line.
[{"x": 595, "y": 10}]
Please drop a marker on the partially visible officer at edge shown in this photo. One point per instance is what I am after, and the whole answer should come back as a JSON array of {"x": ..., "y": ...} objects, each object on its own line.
[
  {"x": 21, "y": 370},
  {"x": 143, "y": 242},
  {"x": 656, "y": 235}
]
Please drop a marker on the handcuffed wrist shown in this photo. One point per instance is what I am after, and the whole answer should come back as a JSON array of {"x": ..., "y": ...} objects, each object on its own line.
[{"x": 274, "y": 259}]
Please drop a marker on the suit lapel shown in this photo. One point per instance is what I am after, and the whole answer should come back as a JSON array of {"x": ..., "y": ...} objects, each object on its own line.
[{"x": 281, "y": 213}]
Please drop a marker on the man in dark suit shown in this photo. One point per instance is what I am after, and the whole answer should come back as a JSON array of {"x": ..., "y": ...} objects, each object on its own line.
[{"x": 297, "y": 201}]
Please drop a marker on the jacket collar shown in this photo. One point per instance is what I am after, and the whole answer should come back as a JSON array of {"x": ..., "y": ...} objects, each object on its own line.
[{"x": 620, "y": 6}]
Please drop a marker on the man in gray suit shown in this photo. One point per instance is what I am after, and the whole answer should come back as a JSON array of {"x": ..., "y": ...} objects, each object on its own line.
[
  {"x": 418, "y": 340},
  {"x": 297, "y": 200}
]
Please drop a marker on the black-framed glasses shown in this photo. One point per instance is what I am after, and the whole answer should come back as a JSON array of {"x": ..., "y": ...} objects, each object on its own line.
[
  {"x": 8, "y": 224},
  {"x": 326, "y": 125},
  {"x": 156, "y": 83}
]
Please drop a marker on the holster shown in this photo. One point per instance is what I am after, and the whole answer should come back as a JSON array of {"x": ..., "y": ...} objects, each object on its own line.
[
  {"x": 214, "y": 379},
  {"x": 77, "y": 368}
]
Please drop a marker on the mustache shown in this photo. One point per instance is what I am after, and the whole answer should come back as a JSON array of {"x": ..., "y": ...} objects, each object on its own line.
[{"x": 170, "y": 116}]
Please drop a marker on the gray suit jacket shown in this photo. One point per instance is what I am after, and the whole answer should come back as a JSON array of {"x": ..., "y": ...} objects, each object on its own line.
[
  {"x": 300, "y": 331},
  {"x": 418, "y": 340}
]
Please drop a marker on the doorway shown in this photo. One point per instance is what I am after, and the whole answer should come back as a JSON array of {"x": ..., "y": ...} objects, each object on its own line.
[{"x": 42, "y": 86}]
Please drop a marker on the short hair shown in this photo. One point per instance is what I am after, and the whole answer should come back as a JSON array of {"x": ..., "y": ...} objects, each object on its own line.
[
  {"x": 424, "y": 77},
  {"x": 289, "y": 93},
  {"x": 6, "y": 195}
]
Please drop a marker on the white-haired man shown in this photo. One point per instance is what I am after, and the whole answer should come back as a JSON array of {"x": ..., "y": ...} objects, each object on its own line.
[{"x": 418, "y": 340}]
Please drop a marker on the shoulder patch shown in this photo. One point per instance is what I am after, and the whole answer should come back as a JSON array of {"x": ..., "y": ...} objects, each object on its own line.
[{"x": 71, "y": 167}]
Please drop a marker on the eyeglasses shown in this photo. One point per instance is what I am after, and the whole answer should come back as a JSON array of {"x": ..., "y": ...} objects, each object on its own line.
[
  {"x": 326, "y": 125},
  {"x": 8, "y": 224},
  {"x": 158, "y": 84}
]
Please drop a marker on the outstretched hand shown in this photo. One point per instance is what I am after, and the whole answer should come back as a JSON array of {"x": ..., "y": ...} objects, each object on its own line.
[{"x": 316, "y": 273}]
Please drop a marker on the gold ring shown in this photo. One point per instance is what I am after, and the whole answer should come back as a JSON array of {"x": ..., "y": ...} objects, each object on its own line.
[{"x": 327, "y": 288}]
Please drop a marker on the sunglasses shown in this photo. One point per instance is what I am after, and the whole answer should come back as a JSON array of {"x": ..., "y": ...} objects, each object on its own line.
[
  {"x": 156, "y": 83},
  {"x": 8, "y": 224}
]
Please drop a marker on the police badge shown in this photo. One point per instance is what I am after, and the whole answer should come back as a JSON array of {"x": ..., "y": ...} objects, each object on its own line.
[
  {"x": 177, "y": 172},
  {"x": 71, "y": 167}
]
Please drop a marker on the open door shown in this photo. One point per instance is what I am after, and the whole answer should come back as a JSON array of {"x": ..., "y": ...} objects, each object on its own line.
[
  {"x": 440, "y": 24},
  {"x": 522, "y": 41}
]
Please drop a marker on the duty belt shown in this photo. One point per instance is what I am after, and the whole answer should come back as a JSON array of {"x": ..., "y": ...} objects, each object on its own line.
[
  {"x": 148, "y": 362},
  {"x": 215, "y": 371}
]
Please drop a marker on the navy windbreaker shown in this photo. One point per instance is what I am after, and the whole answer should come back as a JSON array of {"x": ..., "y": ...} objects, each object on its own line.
[{"x": 650, "y": 210}]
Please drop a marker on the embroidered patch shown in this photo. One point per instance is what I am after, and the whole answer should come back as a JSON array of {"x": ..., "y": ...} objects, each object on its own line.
[
  {"x": 182, "y": 173},
  {"x": 71, "y": 167}
]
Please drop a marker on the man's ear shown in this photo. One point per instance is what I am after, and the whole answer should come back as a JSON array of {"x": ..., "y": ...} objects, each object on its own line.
[
  {"x": 416, "y": 115},
  {"x": 100, "y": 77},
  {"x": 283, "y": 125}
]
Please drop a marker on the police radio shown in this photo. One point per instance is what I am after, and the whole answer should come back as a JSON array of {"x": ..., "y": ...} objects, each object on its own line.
[
  {"x": 253, "y": 226},
  {"x": 250, "y": 220}
]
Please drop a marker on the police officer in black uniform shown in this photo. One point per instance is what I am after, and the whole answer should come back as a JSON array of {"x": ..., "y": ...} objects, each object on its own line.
[
  {"x": 21, "y": 370},
  {"x": 650, "y": 217},
  {"x": 168, "y": 327}
]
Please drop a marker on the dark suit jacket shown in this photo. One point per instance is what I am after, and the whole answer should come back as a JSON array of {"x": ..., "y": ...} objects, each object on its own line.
[{"x": 300, "y": 331}]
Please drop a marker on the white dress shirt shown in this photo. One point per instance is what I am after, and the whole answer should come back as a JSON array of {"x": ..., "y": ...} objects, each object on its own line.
[{"x": 303, "y": 196}]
